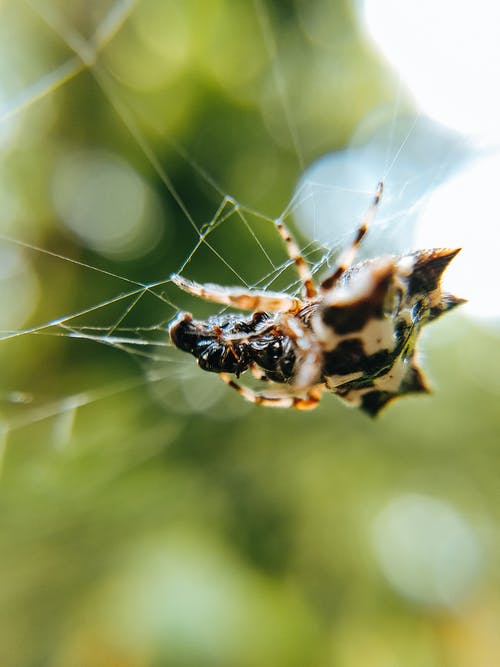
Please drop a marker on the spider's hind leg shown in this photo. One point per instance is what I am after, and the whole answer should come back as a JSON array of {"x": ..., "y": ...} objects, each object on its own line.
[{"x": 307, "y": 402}]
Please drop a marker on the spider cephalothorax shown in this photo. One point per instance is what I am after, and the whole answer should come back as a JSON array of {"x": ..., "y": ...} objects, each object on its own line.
[{"x": 354, "y": 336}]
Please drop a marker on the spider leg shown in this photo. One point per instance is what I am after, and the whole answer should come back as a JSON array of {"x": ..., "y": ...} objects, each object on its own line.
[
  {"x": 240, "y": 298},
  {"x": 308, "y": 286},
  {"x": 308, "y": 401},
  {"x": 347, "y": 257}
]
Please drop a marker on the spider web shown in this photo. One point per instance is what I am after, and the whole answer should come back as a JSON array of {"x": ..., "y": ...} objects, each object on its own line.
[{"x": 110, "y": 317}]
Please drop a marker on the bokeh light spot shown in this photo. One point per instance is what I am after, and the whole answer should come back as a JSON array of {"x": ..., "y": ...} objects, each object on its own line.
[
  {"x": 19, "y": 289},
  {"x": 104, "y": 202},
  {"x": 426, "y": 550},
  {"x": 335, "y": 192}
]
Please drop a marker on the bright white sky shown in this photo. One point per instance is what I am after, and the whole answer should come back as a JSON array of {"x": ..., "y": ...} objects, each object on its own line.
[{"x": 447, "y": 54}]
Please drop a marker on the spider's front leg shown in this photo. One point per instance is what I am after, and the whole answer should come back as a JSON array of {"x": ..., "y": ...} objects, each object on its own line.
[
  {"x": 347, "y": 258},
  {"x": 308, "y": 401},
  {"x": 240, "y": 298}
]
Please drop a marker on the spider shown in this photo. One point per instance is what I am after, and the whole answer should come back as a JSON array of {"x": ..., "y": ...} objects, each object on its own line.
[{"x": 353, "y": 335}]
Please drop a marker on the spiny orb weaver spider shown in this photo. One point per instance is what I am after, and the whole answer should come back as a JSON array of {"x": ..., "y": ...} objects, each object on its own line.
[{"x": 354, "y": 335}]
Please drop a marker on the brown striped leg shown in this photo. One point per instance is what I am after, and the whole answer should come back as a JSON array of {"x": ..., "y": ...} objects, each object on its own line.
[
  {"x": 307, "y": 402},
  {"x": 239, "y": 297},
  {"x": 347, "y": 257},
  {"x": 308, "y": 286}
]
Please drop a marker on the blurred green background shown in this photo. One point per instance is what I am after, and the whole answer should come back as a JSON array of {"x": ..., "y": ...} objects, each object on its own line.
[{"x": 148, "y": 517}]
